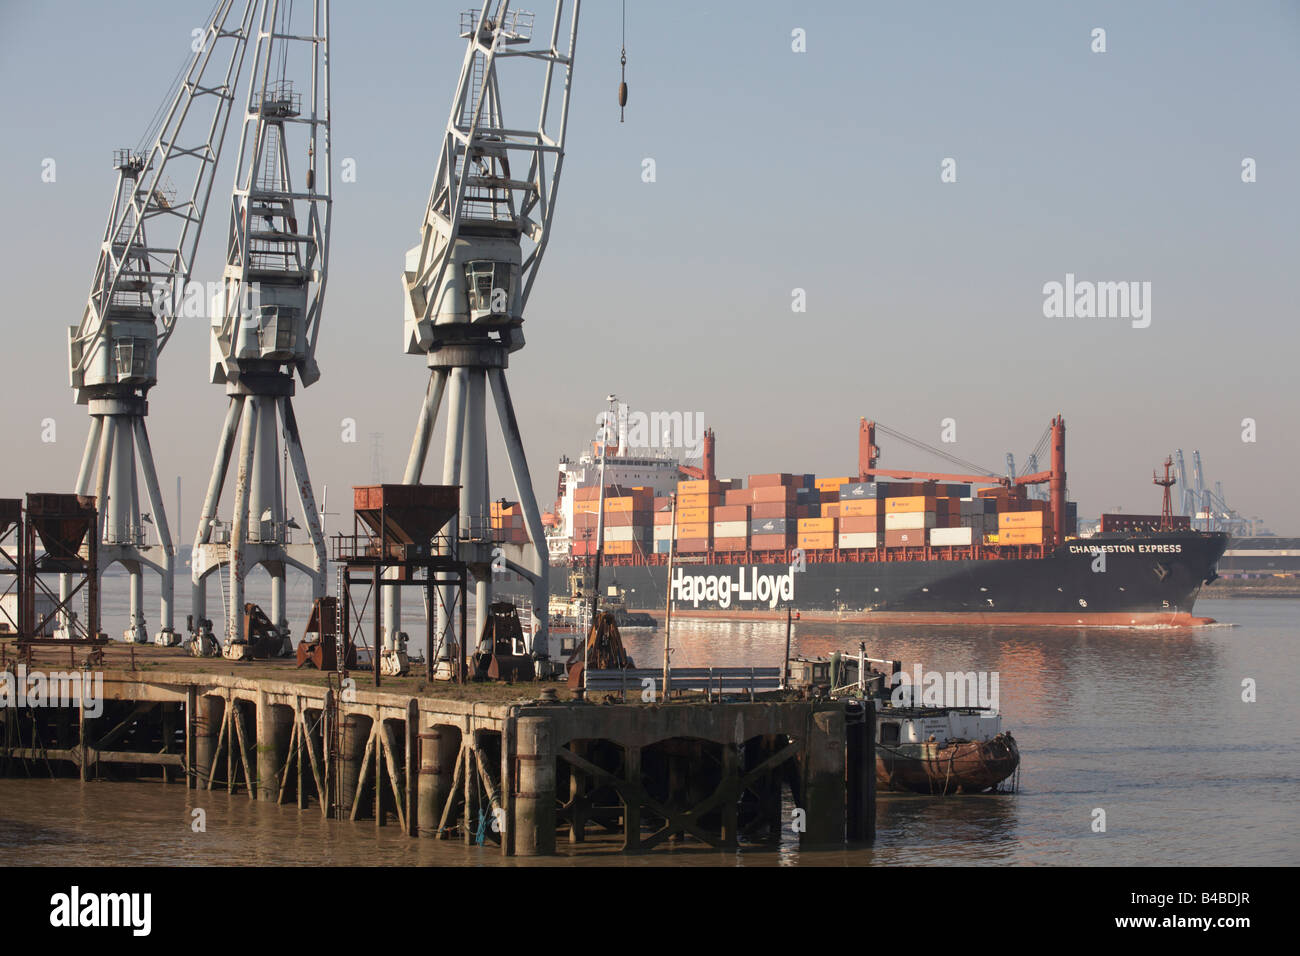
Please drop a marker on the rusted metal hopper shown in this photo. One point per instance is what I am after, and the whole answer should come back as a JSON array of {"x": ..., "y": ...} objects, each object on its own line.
[
  {"x": 405, "y": 517},
  {"x": 65, "y": 525},
  {"x": 11, "y": 513}
]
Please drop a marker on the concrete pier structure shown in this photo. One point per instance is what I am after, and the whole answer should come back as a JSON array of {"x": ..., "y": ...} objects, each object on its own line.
[{"x": 513, "y": 773}]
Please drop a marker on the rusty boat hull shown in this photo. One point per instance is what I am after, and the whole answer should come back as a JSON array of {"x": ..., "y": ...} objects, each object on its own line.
[{"x": 947, "y": 767}]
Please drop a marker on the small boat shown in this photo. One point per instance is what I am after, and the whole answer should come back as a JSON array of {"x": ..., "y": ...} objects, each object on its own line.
[
  {"x": 919, "y": 749},
  {"x": 943, "y": 750}
]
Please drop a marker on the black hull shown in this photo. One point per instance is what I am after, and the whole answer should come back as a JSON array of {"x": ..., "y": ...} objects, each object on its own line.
[{"x": 1148, "y": 579}]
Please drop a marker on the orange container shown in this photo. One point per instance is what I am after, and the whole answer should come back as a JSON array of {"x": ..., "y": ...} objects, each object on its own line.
[
  {"x": 699, "y": 487},
  {"x": 1021, "y": 535},
  {"x": 858, "y": 507},
  {"x": 698, "y": 501},
  {"x": 701, "y": 529},
  {"x": 913, "y": 503},
  {"x": 817, "y": 541},
  {"x": 730, "y": 544},
  {"x": 1022, "y": 519},
  {"x": 694, "y": 515},
  {"x": 816, "y": 525}
]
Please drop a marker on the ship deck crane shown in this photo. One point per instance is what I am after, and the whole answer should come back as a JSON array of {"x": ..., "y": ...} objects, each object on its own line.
[
  {"x": 145, "y": 262},
  {"x": 467, "y": 283},
  {"x": 267, "y": 328},
  {"x": 869, "y": 454}
]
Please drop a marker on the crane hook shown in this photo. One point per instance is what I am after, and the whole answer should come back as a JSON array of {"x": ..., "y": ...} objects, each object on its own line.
[{"x": 622, "y": 65}]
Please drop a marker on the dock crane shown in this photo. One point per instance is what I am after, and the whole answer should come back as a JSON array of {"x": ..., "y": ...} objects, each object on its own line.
[
  {"x": 466, "y": 284},
  {"x": 145, "y": 262},
  {"x": 266, "y": 329}
]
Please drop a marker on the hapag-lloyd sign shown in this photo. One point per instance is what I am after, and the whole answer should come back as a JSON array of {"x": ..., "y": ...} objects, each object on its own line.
[{"x": 751, "y": 585}]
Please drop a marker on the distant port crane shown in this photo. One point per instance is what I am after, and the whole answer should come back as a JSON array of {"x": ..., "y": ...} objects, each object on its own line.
[{"x": 140, "y": 286}]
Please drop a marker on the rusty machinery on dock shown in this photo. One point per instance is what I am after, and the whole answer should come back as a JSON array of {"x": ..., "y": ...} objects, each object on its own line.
[{"x": 395, "y": 535}]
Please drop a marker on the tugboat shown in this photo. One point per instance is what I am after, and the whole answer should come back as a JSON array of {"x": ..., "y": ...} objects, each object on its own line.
[{"x": 919, "y": 749}]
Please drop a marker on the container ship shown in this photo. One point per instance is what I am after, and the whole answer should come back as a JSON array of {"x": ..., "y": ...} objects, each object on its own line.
[{"x": 880, "y": 546}]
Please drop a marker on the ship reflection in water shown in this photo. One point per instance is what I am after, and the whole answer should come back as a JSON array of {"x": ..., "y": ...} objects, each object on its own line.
[{"x": 1149, "y": 725}]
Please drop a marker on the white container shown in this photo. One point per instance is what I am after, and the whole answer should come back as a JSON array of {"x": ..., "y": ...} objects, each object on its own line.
[
  {"x": 951, "y": 537},
  {"x": 909, "y": 520},
  {"x": 858, "y": 539},
  {"x": 730, "y": 529}
]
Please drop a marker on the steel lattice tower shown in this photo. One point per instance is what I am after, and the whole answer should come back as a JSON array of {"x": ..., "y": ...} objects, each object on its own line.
[
  {"x": 145, "y": 261},
  {"x": 467, "y": 283},
  {"x": 274, "y": 289}
]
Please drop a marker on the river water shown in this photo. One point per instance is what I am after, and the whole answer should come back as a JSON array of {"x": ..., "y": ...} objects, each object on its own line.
[{"x": 1148, "y": 726}]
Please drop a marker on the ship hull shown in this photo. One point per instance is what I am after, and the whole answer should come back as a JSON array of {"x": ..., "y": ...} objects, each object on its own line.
[{"x": 1150, "y": 580}]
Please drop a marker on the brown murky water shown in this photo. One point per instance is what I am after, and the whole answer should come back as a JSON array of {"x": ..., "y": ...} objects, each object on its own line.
[{"x": 1148, "y": 725}]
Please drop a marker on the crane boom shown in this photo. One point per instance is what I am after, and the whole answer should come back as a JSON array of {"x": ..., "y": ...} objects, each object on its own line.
[{"x": 146, "y": 257}]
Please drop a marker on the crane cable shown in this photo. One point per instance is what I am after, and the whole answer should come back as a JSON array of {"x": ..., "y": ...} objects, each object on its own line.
[
  {"x": 622, "y": 63},
  {"x": 969, "y": 466}
]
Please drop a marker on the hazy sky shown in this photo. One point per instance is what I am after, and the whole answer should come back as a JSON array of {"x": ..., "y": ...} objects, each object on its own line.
[{"x": 776, "y": 171}]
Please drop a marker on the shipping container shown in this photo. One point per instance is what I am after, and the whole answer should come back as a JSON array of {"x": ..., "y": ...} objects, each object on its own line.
[
  {"x": 859, "y": 507},
  {"x": 906, "y": 538},
  {"x": 952, "y": 537},
  {"x": 1022, "y": 519},
  {"x": 817, "y": 540},
  {"x": 859, "y": 539},
  {"x": 770, "y": 526},
  {"x": 730, "y": 529},
  {"x": 772, "y": 509},
  {"x": 1021, "y": 535},
  {"x": 910, "y": 520},
  {"x": 700, "y": 529},
  {"x": 770, "y": 542},
  {"x": 698, "y": 501},
  {"x": 910, "y": 503},
  {"x": 731, "y": 513},
  {"x": 816, "y": 525},
  {"x": 694, "y": 515},
  {"x": 861, "y": 523},
  {"x": 770, "y": 481},
  {"x": 731, "y": 544},
  {"x": 692, "y": 545},
  {"x": 858, "y": 490},
  {"x": 769, "y": 493}
]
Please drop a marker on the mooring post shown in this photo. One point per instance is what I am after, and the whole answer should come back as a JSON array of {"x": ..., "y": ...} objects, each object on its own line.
[
  {"x": 274, "y": 728},
  {"x": 207, "y": 723},
  {"x": 356, "y": 732},
  {"x": 632, "y": 798},
  {"x": 191, "y": 708},
  {"x": 823, "y": 779},
  {"x": 533, "y": 825},
  {"x": 869, "y": 758},
  {"x": 435, "y": 781},
  {"x": 577, "y": 795},
  {"x": 509, "y": 748},
  {"x": 411, "y": 770},
  {"x": 83, "y": 741}
]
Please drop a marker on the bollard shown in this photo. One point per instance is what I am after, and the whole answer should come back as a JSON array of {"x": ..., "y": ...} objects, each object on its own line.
[
  {"x": 274, "y": 729},
  {"x": 356, "y": 733},
  {"x": 534, "y": 823},
  {"x": 207, "y": 723},
  {"x": 823, "y": 780},
  {"x": 438, "y": 748}
]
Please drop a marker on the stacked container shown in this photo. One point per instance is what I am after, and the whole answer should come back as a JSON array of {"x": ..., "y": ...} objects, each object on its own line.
[{"x": 508, "y": 523}]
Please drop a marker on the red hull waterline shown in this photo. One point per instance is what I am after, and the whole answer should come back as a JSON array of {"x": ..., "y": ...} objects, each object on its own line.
[{"x": 991, "y": 619}]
